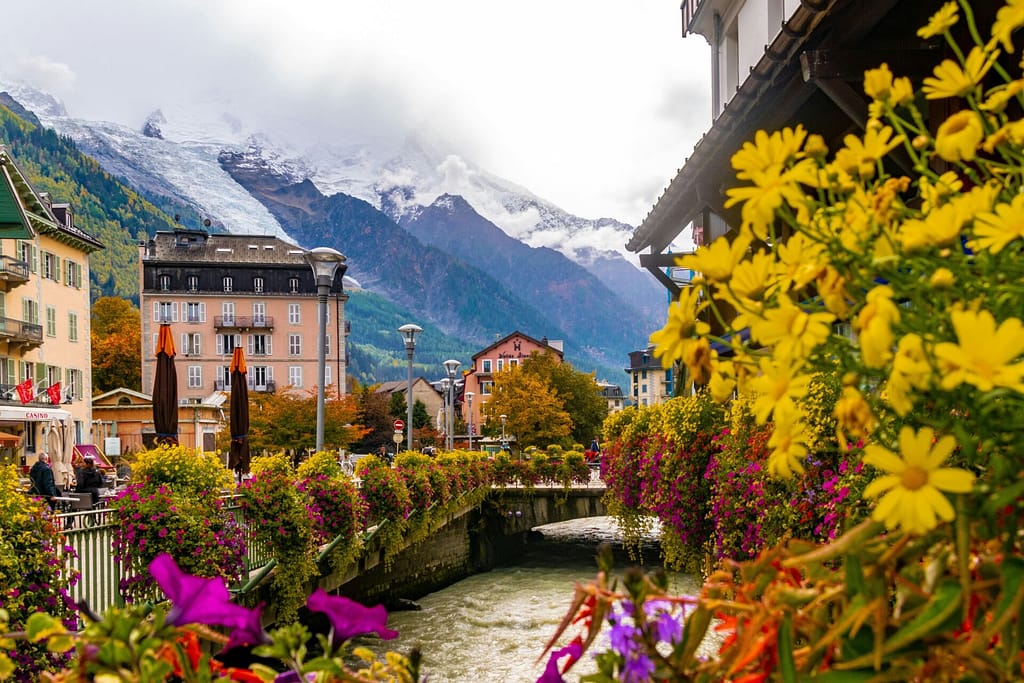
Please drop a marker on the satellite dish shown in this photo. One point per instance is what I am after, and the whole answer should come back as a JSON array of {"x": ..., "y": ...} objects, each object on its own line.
[{"x": 206, "y": 222}]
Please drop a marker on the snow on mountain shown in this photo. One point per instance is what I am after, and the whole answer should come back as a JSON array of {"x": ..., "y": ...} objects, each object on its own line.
[{"x": 175, "y": 151}]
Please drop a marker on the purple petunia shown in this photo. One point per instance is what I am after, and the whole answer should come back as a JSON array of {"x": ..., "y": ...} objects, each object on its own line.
[
  {"x": 551, "y": 674},
  {"x": 349, "y": 618},
  {"x": 198, "y": 600}
]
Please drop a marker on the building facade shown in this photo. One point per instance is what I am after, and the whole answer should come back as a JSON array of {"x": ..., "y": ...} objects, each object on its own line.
[
  {"x": 123, "y": 422},
  {"x": 45, "y": 342},
  {"x": 505, "y": 353},
  {"x": 650, "y": 384},
  {"x": 613, "y": 396},
  {"x": 219, "y": 292}
]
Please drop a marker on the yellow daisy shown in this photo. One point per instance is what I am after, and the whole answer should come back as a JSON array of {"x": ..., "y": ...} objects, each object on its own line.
[
  {"x": 680, "y": 328},
  {"x": 940, "y": 22},
  {"x": 874, "y": 326},
  {"x": 950, "y": 80},
  {"x": 853, "y": 414},
  {"x": 859, "y": 157},
  {"x": 717, "y": 260},
  {"x": 768, "y": 151},
  {"x": 791, "y": 330},
  {"x": 801, "y": 260},
  {"x": 1008, "y": 20},
  {"x": 778, "y": 387},
  {"x": 915, "y": 482},
  {"x": 994, "y": 230},
  {"x": 985, "y": 353},
  {"x": 959, "y": 136},
  {"x": 752, "y": 277},
  {"x": 910, "y": 370},
  {"x": 788, "y": 444}
]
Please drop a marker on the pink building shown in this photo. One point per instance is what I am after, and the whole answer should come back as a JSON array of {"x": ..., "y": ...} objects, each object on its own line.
[
  {"x": 219, "y": 292},
  {"x": 504, "y": 353}
]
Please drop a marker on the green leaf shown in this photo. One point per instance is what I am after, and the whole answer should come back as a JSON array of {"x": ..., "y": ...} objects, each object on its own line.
[
  {"x": 1002, "y": 498},
  {"x": 835, "y": 676},
  {"x": 785, "y": 645},
  {"x": 693, "y": 633},
  {"x": 41, "y": 626},
  {"x": 854, "y": 576}
]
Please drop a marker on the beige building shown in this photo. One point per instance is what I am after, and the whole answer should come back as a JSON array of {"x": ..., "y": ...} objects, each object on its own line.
[
  {"x": 45, "y": 346},
  {"x": 422, "y": 391},
  {"x": 650, "y": 384},
  {"x": 123, "y": 422},
  {"x": 219, "y": 292}
]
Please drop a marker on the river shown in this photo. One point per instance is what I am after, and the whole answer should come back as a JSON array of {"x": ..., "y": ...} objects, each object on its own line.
[{"x": 493, "y": 626}]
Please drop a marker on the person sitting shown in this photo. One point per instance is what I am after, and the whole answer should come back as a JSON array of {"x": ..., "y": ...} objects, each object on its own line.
[
  {"x": 43, "y": 483},
  {"x": 90, "y": 480}
]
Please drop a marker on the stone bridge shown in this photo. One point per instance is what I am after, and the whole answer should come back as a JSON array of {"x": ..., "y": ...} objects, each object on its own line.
[{"x": 473, "y": 539}]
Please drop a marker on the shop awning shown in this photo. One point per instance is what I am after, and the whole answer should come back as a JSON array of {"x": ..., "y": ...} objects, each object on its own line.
[
  {"x": 19, "y": 414},
  {"x": 7, "y": 439}
]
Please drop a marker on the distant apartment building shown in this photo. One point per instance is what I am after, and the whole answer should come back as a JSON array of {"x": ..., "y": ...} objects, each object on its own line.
[
  {"x": 219, "y": 292},
  {"x": 650, "y": 384},
  {"x": 506, "y": 352},
  {"x": 613, "y": 396},
  {"x": 45, "y": 343}
]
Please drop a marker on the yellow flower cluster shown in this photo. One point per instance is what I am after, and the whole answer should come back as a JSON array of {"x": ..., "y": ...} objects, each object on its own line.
[{"x": 905, "y": 286}]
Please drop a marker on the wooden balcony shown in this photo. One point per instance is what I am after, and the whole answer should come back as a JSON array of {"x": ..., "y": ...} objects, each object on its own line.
[
  {"x": 243, "y": 322},
  {"x": 13, "y": 271}
]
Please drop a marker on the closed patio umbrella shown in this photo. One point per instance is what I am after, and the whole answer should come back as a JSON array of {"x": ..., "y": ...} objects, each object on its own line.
[
  {"x": 165, "y": 390},
  {"x": 238, "y": 459}
]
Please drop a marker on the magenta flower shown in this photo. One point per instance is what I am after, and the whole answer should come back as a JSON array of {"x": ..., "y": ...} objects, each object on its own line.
[
  {"x": 551, "y": 675},
  {"x": 349, "y": 618},
  {"x": 197, "y": 600}
]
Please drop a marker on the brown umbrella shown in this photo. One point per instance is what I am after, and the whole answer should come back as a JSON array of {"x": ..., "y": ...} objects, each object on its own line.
[
  {"x": 238, "y": 460},
  {"x": 165, "y": 390}
]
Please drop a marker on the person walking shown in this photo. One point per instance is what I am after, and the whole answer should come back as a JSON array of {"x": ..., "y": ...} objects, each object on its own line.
[
  {"x": 43, "y": 483},
  {"x": 90, "y": 480}
]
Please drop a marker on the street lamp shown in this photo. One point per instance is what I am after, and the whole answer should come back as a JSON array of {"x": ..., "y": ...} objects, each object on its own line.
[
  {"x": 445, "y": 383},
  {"x": 504, "y": 442},
  {"x": 450, "y": 366},
  {"x": 325, "y": 263},
  {"x": 469, "y": 422},
  {"x": 409, "y": 331}
]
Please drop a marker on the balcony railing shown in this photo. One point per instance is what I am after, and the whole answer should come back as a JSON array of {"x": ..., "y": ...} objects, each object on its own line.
[
  {"x": 264, "y": 322},
  {"x": 19, "y": 331},
  {"x": 268, "y": 387},
  {"x": 13, "y": 271}
]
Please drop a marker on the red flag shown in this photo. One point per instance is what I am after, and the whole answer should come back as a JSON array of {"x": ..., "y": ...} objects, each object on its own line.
[
  {"x": 54, "y": 391},
  {"x": 25, "y": 391}
]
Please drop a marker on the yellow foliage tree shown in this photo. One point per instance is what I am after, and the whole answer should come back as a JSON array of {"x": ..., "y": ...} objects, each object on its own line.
[{"x": 533, "y": 410}]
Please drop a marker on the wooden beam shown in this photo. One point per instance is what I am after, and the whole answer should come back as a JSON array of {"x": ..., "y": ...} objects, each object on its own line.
[{"x": 850, "y": 65}]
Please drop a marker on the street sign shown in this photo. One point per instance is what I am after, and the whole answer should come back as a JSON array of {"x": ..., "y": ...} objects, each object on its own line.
[
  {"x": 397, "y": 438},
  {"x": 399, "y": 425}
]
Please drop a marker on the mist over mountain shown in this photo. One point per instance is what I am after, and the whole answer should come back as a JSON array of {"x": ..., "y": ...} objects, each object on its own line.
[{"x": 472, "y": 253}]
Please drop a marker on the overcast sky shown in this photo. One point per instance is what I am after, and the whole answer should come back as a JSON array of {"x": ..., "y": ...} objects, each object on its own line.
[{"x": 591, "y": 104}]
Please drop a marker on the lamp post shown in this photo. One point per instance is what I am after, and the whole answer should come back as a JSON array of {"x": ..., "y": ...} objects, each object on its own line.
[
  {"x": 325, "y": 263},
  {"x": 450, "y": 366},
  {"x": 469, "y": 422},
  {"x": 504, "y": 442},
  {"x": 445, "y": 383},
  {"x": 409, "y": 331}
]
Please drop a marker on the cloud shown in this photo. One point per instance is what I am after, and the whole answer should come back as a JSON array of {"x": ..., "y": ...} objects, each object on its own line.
[{"x": 56, "y": 78}]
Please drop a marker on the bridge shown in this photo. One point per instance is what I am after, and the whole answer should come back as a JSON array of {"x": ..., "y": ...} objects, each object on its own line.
[{"x": 473, "y": 538}]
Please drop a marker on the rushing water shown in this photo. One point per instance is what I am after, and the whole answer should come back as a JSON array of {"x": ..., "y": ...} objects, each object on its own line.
[{"x": 493, "y": 626}]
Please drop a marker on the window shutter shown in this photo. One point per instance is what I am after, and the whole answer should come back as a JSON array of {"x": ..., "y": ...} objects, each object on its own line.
[
  {"x": 270, "y": 345},
  {"x": 156, "y": 311},
  {"x": 252, "y": 343},
  {"x": 238, "y": 339},
  {"x": 270, "y": 373},
  {"x": 184, "y": 344},
  {"x": 56, "y": 268},
  {"x": 202, "y": 311},
  {"x": 220, "y": 344},
  {"x": 174, "y": 311},
  {"x": 196, "y": 338}
]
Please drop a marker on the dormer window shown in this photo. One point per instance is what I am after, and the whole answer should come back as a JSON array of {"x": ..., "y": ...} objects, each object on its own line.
[
  {"x": 257, "y": 285},
  {"x": 165, "y": 283},
  {"x": 193, "y": 283},
  {"x": 229, "y": 283},
  {"x": 293, "y": 285}
]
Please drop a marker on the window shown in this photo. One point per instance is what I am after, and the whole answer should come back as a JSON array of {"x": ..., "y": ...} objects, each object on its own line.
[
  {"x": 295, "y": 375},
  {"x": 73, "y": 327},
  {"x": 73, "y": 384},
  {"x": 193, "y": 283},
  {"x": 28, "y": 253},
  {"x": 260, "y": 377},
  {"x": 293, "y": 285},
  {"x": 259, "y": 345},
  {"x": 327, "y": 376},
  {"x": 485, "y": 386},
  {"x": 51, "y": 321},
  {"x": 501, "y": 364},
  {"x": 643, "y": 388},
  {"x": 643, "y": 374},
  {"x": 72, "y": 274},
  {"x": 294, "y": 344},
  {"x": 257, "y": 285},
  {"x": 51, "y": 266},
  {"x": 30, "y": 311},
  {"x": 512, "y": 362},
  {"x": 229, "y": 283},
  {"x": 259, "y": 313},
  {"x": 165, "y": 311},
  {"x": 226, "y": 343},
  {"x": 190, "y": 344},
  {"x": 485, "y": 365},
  {"x": 227, "y": 310},
  {"x": 294, "y": 314},
  {"x": 195, "y": 312},
  {"x": 195, "y": 377},
  {"x": 327, "y": 344},
  {"x": 165, "y": 283}
]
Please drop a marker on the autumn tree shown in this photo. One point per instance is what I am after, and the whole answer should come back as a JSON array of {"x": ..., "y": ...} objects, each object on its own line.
[
  {"x": 578, "y": 392},
  {"x": 375, "y": 415},
  {"x": 534, "y": 412},
  {"x": 282, "y": 420},
  {"x": 116, "y": 333}
]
